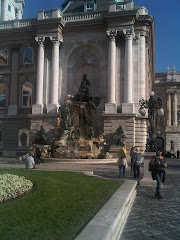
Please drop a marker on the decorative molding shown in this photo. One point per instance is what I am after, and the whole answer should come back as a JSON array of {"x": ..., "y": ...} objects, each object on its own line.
[
  {"x": 136, "y": 38},
  {"x": 112, "y": 34},
  {"x": 56, "y": 39},
  {"x": 15, "y": 47},
  {"x": 129, "y": 33},
  {"x": 40, "y": 40}
]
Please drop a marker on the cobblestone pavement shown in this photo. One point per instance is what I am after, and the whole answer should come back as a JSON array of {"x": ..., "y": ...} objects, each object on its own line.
[{"x": 152, "y": 218}]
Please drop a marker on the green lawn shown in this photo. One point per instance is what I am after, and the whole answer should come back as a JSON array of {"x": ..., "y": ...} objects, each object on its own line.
[{"x": 59, "y": 206}]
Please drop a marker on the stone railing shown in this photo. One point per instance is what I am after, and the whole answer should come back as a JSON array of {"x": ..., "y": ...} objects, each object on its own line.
[
  {"x": 81, "y": 16},
  {"x": 46, "y": 14},
  {"x": 15, "y": 24}
]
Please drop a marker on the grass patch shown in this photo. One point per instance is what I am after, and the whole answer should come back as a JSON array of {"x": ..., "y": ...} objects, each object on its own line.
[{"x": 58, "y": 207}]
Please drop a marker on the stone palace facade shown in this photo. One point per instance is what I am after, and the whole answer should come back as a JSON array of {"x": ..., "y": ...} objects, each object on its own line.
[
  {"x": 167, "y": 86},
  {"x": 43, "y": 60}
]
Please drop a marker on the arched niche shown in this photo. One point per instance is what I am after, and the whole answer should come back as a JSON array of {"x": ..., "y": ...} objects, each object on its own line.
[{"x": 87, "y": 59}]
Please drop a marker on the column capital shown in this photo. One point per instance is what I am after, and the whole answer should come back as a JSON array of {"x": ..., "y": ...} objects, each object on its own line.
[
  {"x": 40, "y": 40},
  {"x": 56, "y": 39},
  {"x": 129, "y": 33},
  {"x": 112, "y": 34},
  {"x": 136, "y": 38}
]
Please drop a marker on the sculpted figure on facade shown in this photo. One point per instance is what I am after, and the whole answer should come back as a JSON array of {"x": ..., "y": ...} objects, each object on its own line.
[
  {"x": 83, "y": 93},
  {"x": 119, "y": 136}
]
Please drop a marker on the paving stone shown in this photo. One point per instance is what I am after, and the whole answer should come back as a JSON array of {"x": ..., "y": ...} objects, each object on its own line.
[{"x": 159, "y": 218}]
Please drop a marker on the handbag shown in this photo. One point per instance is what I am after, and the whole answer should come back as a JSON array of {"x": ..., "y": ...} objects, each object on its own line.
[{"x": 122, "y": 162}]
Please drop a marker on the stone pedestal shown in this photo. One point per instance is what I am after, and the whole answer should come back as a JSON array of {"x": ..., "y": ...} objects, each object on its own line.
[
  {"x": 127, "y": 108},
  {"x": 52, "y": 108},
  {"x": 110, "y": 108},
  {"x": 37, "y": 109},
  {"x": 147, "y": 178},
  {"x": 12, "y": 110}
]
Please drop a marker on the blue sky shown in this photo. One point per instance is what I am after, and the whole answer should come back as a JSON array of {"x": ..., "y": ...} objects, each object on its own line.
[{"x": 167, "y": 27}]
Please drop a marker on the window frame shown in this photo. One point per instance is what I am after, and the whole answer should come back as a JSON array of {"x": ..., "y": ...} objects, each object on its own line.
[
  {"x": 26, "y": 95},
  {"x": 26, "y": 63},
  {"x": 4, "y": 95}
]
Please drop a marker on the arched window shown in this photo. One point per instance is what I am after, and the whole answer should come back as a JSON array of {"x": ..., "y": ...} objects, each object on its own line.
[
  {"x": 3, "y": 56},
  {"x": 27, "y": 95},
  {"x": 2, "y": 95},
  {"x": 28, "y": 55}
]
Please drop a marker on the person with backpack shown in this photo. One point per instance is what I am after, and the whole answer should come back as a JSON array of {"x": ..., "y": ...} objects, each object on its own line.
[
  {"x": 137, "y": 164},
  {"x": 122, "y": 161},
  {"x": 159, "y": 163}
]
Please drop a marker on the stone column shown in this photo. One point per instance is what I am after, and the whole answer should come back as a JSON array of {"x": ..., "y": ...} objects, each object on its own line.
[
  {"x": 53, "y": 105},
  {"x": 128, "y": 106},
  {"x": 111, "y": 106},
  {"x": 5, "y": 10},
  {"x": 169, "y": 109},
  {"x": 142, "y": 67},
  {"x": 38, "y": 107},
  {"x": 175, "y": 109},
  {"x": 19, "y": 13},
  {"x": 12, "y": 108}
]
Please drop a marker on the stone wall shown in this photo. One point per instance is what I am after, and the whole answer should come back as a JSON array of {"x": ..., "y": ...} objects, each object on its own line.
[{"x": 134, "y": 128}]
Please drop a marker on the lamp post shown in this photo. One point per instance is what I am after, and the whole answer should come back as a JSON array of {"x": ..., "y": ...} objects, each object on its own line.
[{"x": 152, "y": 105}]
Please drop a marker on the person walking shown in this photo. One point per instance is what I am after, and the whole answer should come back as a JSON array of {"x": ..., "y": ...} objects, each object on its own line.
[
  {"x": 132, "y": 153},
  {"x": 38, "y": 155},
  {"x": 137, "y": 164},
  {"x": 159, "y": 162},
  {"x": 122, "y": 161}
]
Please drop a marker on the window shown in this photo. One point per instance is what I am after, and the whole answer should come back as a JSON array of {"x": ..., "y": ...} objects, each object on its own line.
[
  {"x": 2, "y": 95},
  {"x": 28, "y": 55},
  {"x": 89, "y": 7},
  {"x": 26, "y": 95},
  {"x": 9, "y": 8},
  {"x": 16, "y": 11},
  {"x": 3, "y": 56}
]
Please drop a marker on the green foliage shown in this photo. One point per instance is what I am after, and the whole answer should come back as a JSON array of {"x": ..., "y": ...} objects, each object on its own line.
[{"x": 58, "y": 207}]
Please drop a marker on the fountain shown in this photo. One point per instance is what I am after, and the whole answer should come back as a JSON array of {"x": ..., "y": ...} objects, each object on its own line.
[{"x": 79, "y": 129}]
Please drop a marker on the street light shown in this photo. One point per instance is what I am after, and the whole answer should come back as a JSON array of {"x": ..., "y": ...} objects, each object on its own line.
[{"x": 152, "y": 105}]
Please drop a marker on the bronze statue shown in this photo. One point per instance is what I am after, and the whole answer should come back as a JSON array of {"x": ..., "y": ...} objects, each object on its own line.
[
  {"x": 119, "y": 136},
  {"x": 83, "y": 94},
  {"x": 41, "y": 138}
]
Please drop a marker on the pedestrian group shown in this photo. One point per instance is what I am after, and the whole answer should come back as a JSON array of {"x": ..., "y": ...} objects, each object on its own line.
[{"x": 136, "y": 160}]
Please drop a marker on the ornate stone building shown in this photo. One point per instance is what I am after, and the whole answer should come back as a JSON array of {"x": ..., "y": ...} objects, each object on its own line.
[
  {"x": 167, "y": 85},
  {"x": 43, "y": 60},
  {"x": 11, "y": 9}
]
